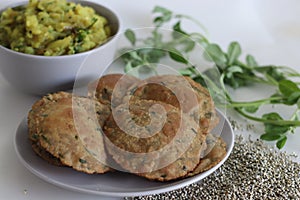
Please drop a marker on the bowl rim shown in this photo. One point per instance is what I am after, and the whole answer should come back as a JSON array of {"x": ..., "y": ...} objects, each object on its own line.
[{"x": 90, "y": 3}]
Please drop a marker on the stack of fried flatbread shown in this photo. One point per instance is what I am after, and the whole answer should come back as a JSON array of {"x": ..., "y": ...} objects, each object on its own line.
[{"x": 158, "y": 128}]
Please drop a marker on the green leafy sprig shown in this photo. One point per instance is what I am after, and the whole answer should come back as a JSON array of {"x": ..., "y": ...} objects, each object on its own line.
[{"x": 233, "y": 71}]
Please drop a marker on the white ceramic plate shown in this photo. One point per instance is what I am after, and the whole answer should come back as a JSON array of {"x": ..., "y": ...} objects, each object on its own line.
[{"x": 113, "y": 183}]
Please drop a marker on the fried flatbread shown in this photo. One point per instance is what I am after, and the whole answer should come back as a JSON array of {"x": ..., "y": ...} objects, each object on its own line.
[
  {"x": 156, "y": 145},
  {"x": 158, "y": 128},
  {"x": 181, "y": 92},
  {"x": 68, "y": 128},
  {"x": 217, "y": 153},
  {"x": 37, "y": 110},
  {"x": 32, "y": 127}
]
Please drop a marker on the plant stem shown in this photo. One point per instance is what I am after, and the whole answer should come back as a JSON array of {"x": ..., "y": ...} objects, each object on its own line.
[
  {"x": 239, "y": 104},
  {"x": 274, "y": 122},
  {"x": 193, "y": 20}
]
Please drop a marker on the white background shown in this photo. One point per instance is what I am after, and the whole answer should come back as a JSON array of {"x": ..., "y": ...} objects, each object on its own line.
[{"x": 269, "y": 30}]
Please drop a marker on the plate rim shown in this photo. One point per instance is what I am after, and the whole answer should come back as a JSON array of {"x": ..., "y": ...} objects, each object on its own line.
[{"x": 149, "y": 191}]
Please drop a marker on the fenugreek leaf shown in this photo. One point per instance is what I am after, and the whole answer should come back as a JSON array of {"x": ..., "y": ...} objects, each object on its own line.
[
  {"x": 272, "y": 116},
  {"x": 177, "y": 56},
  {"x": 189, "y": 45},
  {"x": 201, "y": 80},
  {"x": 233, "y": 53},
  {"x": 251, "y": 62},
  {"x": 155, "y": 41},
  {"x": 162, "y": 10},
  {"x": 128, "y": 67},
  {"x": 251, "y": 109},
  {"x": 280, "y": 143},
  {"x": 130, "y": 35},
  {"x": 276, "y": 129},
  {"x": 276, "y": 101},
  {"x": 132, "y": 70},
  {"x": 165, "y": 15},
  {"x": 276, "y": 73},
  {"x": 293, "y": 98},
  {"x": 186, "y": 71},
  {"x": 178, "y": 32},
  {"x": 272, "y": 128},
  {"x": 215, "y": 53},
  {"x": 233, "y": 69},
  {"x": 272, "y": 71},
  {"x": 271, "y": 79},
  {"x": 288, "y": 87},
  {"x": 153, "y": 55},
  {"x": 270, "y": 137}
]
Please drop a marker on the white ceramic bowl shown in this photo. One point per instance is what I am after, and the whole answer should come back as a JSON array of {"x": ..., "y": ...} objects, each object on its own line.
[{"x": 44, "y": 74}]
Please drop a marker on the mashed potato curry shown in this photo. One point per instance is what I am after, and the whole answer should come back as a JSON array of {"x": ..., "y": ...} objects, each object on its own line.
[{"x": 52, "y": 28}]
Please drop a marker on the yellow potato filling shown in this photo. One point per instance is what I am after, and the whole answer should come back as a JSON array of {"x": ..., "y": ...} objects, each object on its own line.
[{"x": 52, "y": 28}]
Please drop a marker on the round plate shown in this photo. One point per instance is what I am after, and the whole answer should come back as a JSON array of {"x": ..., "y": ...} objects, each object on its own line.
[{"x": 110, "y": 184}]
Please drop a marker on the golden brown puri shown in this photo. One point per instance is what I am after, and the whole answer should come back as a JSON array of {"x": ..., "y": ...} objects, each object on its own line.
[
  {"x": 104, "y": 88},
  {"x": 184, "y": 163},
  {"x": 68, "y": 128},
  {"x": 33, "y": 126},
  {"x": 181, "y": 92},
  {"x": 166, "y": 153},
  {"x": 37, "y": 109},
  {"x": 217, "y": 153},
  {"x": 157, "y": 128}
]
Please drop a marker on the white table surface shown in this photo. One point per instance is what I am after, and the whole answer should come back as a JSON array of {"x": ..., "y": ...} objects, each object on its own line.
[{"x": 269, "y": 30}]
